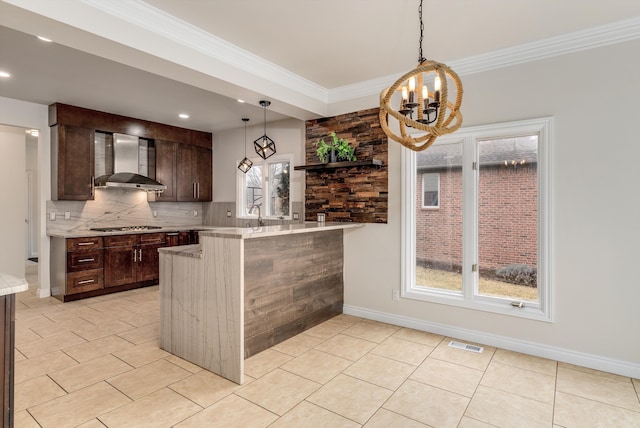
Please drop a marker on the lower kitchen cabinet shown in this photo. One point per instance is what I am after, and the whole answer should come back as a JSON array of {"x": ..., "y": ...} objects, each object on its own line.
[
  {"x": 131, "y": 258},
  {"x": 91, "y": 266}
]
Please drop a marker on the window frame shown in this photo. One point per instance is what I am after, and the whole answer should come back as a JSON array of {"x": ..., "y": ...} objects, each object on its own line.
[
  {"x": 469, "y": 298},
  {"x": 430, "y": 207},
  {"x": 240, "y": 187}
]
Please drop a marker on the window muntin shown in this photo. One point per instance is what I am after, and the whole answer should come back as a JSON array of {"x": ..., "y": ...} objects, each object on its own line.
[{"x": 473, "y": 293}]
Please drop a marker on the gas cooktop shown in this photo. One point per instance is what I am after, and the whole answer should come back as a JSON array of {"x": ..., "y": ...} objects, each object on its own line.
[{"x": 124, "y": 228}]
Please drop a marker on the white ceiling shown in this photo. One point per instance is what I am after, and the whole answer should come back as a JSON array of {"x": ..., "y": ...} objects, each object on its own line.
[{"x": 157, "y": 58}]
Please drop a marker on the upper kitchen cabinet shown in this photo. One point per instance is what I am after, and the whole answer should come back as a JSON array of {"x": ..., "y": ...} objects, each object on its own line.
[
  {"x": 73, "y": 173},
  {"x": 194, "y": 173},
  {"x": 166, "y": 169},
  {"x": 181, "y": 158}
]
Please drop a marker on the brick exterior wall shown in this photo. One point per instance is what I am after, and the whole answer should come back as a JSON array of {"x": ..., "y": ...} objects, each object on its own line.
[
  {"x": 507, "y": 220},
  {"x": 358, "y": 194}
]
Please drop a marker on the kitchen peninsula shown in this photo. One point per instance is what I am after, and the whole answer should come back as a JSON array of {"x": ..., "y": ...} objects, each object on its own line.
[{"x": 242, "y": 290}]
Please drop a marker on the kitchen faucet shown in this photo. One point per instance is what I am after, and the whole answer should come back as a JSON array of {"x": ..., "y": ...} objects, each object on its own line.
[{"x": 260, "y": 222}]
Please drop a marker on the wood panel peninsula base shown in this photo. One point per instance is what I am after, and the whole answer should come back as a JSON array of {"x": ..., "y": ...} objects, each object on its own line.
[{"x": 244, "y": 290}]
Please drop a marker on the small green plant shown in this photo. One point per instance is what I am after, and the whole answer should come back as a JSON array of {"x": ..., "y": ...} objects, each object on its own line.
[
  {"x": 343, "y": 151},
  {"x": 518, "y": 274}
]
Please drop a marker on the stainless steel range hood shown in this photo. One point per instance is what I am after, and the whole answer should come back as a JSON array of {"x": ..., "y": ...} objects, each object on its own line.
[{"x": 127, "y": 162}]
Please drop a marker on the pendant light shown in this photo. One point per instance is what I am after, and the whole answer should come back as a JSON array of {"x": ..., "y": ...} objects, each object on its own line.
[
  {"x": 245, "y": 164},
  {"x": 436, "y": 115},
  {"x": 264, "y": 145}
]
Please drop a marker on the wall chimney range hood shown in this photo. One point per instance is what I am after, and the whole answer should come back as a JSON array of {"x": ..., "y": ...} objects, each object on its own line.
[{"x": 126, "y": 162}]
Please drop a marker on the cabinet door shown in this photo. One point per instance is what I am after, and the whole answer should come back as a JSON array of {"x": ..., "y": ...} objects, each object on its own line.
[
  {"x": 186, "y": 172},
  {"x": 166, "y": 169},
  {"x": 205, "y": 172},
  {"x": 75, "y": 162},
  {"x": 120, "y": 265},
  {"x": 148, "y": 262}
]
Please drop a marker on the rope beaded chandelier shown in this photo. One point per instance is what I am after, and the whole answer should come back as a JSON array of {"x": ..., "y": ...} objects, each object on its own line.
[{"x": 434, "y": 113}]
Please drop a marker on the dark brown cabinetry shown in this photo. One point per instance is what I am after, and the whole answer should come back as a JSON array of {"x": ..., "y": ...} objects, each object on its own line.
[
  {"x": 7, "y": 343},
  {"x": 166, "y": 169},
  {"x": 132, "y": 258},
  {"x": 73, "y": 174},
  {"x": 183, "y": 156},
  {"x": 182, "y": 238},
  {"x": 194, "y": 173},
  {"x": 84, "y": 265}
]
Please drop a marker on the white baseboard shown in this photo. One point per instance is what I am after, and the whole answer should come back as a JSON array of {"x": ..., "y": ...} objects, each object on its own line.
[
  {"x": 623, "y": 368},
  {"x": 42, "y": 292}
]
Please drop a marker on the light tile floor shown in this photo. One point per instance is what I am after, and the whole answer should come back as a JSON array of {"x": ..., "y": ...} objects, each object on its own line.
[{"x": 96, "y": 363}]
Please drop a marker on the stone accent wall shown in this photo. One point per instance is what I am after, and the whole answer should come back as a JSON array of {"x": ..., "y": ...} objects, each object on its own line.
[{"x": 358, "y": 193}]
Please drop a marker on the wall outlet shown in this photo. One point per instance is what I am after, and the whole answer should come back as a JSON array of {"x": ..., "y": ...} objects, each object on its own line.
[
  {"x": 155, "y": 213},
  {"x": 296, "y": 216},
  {"x": 67, "y": 215},
  {"x": 52, "y": 216},
  {"x": 395, "y": 295},
  {"x": 195, "y": 213},
  {"x": 228, "y": 213}
]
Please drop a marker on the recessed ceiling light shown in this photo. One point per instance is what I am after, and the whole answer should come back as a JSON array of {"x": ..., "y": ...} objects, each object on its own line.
[
  {"x": 240, "y": 101},
  {"x": 183, "y": 116},
  {"x": 4, "y": 74},
  {"x": 44, "y": 39}
]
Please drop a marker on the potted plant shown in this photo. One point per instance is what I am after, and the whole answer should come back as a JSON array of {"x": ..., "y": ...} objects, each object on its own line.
[{"x": 338, "y": 150}]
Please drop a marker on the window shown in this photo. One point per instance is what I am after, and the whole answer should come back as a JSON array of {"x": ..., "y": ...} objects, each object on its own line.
[
  {"x": 267, "y": 186},
  {"x": 430, "y": 189},
  {"x": 487, "y": 246}
]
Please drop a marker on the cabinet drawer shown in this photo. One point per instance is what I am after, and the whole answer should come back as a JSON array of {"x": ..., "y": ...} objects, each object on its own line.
[
  {"x": 80, "y": 244},
  {"x": 120, "y": 240},
  {"x": 151, "y": 238},
  {"x": 84, "y": 260},
  {"x": 79, "y": 282}
]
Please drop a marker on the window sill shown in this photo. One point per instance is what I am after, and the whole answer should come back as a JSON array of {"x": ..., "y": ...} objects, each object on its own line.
[{"x": 477, "y": 303}]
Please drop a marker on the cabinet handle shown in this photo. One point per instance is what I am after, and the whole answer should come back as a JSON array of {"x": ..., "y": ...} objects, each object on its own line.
[
  {"x": 81, "y": 244},
  {"x": 198, "y": 187},
  {"x": 140, "y": 255},
  {"x": 93, "y": 185},
  {"x": 85, "y": 260},
  {"x": 135, "y": 257},
  {"x": 86, "y": 281}
]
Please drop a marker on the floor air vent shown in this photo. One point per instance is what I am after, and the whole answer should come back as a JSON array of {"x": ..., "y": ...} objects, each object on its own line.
[{"x": 466, "y": 347}]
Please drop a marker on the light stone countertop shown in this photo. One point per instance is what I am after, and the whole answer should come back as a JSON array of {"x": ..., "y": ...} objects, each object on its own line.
[
  {"x": 285, "y": 229},
  {"x": 254, "y": 232},
  {"x": 88, "y": 233},
  {"x": 9, "y": 284},
  {"x": 194, "y": 250}
]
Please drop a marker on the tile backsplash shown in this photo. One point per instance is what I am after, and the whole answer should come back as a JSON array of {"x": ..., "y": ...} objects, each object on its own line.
[
  {"x": 215, "y": 214},
  {"x": 121, "y": 207}
]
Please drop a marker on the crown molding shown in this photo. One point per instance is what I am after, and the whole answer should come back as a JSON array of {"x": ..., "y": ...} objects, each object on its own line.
[
  {"x": 617, "y": 32},
  {"x": 156, "y": 21}
]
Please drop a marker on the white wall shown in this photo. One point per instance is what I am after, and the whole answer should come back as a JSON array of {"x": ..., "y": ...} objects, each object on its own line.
[
  {"x": 31, "y": 167},
  {"x": 593, "y": 97},
  {"x": 34, "y": 116},
  {"x": 228, "y": 151},
  {"x": 12, "y": 192}
]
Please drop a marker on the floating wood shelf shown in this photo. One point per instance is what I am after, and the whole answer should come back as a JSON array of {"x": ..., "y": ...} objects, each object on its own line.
[{"x": 333, "y": 165}]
